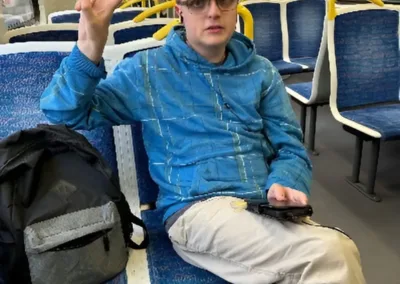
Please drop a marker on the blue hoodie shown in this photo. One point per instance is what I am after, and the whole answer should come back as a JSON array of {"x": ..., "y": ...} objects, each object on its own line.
[{"x": 208, "y": 129}]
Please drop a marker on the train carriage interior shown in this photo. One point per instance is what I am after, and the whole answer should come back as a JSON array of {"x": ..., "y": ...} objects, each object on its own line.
[{"x": 340, "y": 63}]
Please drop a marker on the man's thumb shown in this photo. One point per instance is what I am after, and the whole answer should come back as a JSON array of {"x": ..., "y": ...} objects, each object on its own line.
[{"x": 78, "y": 6}]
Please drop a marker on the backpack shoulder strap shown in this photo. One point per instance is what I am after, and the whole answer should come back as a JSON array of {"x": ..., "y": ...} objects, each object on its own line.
[{"x": 137, "y": 221}]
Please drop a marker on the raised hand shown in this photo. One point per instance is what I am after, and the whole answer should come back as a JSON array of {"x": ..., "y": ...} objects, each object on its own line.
[{"x": 93, "y": 26}]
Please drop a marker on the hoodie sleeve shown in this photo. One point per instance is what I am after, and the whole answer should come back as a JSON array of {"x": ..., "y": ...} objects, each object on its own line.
[
  {"x": 291, "y": 166},
  {"x": 81, "y": 96}
]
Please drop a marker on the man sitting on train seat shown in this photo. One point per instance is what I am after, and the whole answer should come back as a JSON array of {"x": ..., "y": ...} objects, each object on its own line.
[{"x": 218, "y": 127}]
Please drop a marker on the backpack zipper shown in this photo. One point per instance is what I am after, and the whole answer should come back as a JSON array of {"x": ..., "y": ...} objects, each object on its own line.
[{"x": 106, "y": 242}]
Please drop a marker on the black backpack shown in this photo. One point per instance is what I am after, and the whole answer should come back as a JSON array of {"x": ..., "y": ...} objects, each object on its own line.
[{"x": 63, "y": 217}]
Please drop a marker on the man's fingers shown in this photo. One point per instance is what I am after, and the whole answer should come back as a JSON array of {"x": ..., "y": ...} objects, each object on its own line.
[
  {"x": 86, "y": 8},
  {"x": 292, "y": 196},
  {"x": 277, "y": 192},
  {"x": 85, "y": 4},
  {"x": 296, "y": 197},
  {"x": 280, "y": 193},
  {"x": 89, "y": 6},
  {"x": 78, "y": 6},
  {"x": 302, "y": 198}
]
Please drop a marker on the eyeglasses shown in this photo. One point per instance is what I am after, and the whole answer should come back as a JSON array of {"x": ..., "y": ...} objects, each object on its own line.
[{"x": 201, "y": 6}]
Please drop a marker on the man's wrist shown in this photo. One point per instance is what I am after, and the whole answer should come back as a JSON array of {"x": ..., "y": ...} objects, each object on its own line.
[{"x": 92, "y": 51}]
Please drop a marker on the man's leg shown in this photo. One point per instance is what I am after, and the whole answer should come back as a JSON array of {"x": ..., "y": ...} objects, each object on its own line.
[{"x": 243, "y": 247}]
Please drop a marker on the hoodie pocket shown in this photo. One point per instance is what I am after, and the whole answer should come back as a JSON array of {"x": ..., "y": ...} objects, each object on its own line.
[
  {"x": 86, "y": 246},
  {"x": 237, "y": 168}
]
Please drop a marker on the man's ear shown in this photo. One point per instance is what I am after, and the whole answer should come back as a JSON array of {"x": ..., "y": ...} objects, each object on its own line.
[{"x": 178, "y": 12}]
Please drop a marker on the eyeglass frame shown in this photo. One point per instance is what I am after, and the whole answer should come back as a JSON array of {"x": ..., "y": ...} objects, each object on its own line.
[{"x": 184, "y": 3}]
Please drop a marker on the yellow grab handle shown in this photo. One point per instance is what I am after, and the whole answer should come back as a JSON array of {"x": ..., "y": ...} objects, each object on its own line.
[
  {"x": 153, "y": 10},
  {"x": 130, "y": 3},
  {"x": 331, "y": 10},
  {"x": 163, "y": 32},
  {"x": 332, "y": 13},
  {"x": 245, "y": 14},
  {"x": 378, "y": 2}
]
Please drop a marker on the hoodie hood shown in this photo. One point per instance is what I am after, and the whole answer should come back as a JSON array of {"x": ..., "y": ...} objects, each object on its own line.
[{"x": 241, "y": 50}]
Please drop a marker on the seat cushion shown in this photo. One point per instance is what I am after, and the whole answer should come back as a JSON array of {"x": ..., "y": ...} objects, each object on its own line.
[
  {"x": 307, "y": 61},
  {"x": 303, "y": 89},
  {"x": 165, "y": 266},
  {"x": 287, "y": 68},
  {"x": 384, "y": 118}
]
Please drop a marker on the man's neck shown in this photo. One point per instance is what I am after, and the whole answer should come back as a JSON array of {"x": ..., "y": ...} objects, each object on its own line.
[{"x": 215, "y": 55}]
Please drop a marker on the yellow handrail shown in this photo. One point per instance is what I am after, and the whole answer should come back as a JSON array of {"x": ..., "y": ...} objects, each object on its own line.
[
  {"x": 248, "y": 21},
  {"x": 163, "y": 32},
  {"x": 331, "y": 10},
  {"x": 378, "y": 2},
  {"x": 332, "y": 13},
  {"x": 130, "y": 3},
  {"x": 243, "y": 12},
  {"x": 154, "y": 10}
]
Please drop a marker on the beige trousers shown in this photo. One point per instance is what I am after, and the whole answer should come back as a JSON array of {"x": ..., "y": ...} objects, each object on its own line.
[{"x": 243, "y": 247}]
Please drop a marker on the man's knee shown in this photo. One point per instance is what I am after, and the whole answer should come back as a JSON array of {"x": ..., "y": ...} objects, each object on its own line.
[
  {"x": 337, "y": 258},
  {"x": 337, "y": 247}
]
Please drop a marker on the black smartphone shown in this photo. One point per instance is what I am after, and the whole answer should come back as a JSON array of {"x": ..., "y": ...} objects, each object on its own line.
[{"x": 279, "y": 209}]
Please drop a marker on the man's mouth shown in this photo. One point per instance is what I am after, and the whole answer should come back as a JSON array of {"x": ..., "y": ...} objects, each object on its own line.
[{"x": 215, "y": 28}]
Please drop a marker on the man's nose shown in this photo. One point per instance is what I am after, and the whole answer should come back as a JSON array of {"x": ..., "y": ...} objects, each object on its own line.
[{"x": 213, "y": 9}]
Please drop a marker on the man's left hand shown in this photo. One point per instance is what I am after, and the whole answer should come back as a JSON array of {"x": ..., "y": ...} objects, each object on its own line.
[{"x": 287, "y": 194}]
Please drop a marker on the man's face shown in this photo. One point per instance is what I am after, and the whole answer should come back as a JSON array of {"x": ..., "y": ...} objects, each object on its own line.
[{"x": 209, "y": 23}]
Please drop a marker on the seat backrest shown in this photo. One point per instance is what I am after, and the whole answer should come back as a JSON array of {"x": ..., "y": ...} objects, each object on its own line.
[
  {"x": 62, "y": 32},
  {"x": 26, "y": 70},
  {"x": 321, "y": 83},
  {"x": 320, "y": 86},
  {"x": 267, "y": 27},
  {"x": 114, "y": 54},
  {"x": 363, "y": 44},
  {"x": 131, "y": 31},
  {"x": 64, "y": 17},
  {"x": 305, "y": 19},
  {"x": 47, "y": 7},
  {"x": 72, "y": 16},
  {"x": 127, "y": 14}
]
